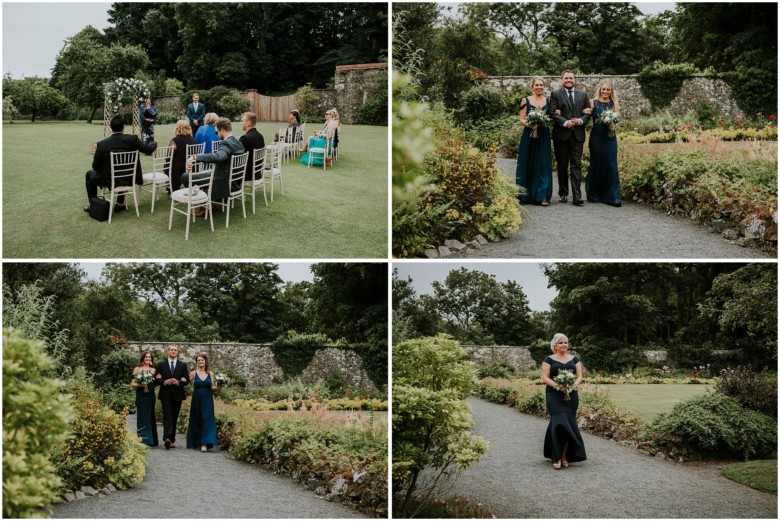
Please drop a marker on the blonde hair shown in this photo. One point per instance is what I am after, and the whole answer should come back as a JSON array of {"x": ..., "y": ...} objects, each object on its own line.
[
  {"x": 533, "y": 80},
  {"x": 612, "y": 95},
  {"x": 182, "y": 128},
  {"x": 557, "y": 338},
  {"x": 210, "y": 118},
  {"x": 334, "y": 113}
]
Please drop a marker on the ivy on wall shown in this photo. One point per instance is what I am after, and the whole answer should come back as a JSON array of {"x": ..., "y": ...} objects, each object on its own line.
[
  {"x": 660, "y": 82},
  {"x": 294, "y": 352},
  {"x": 374, "y": 359}
]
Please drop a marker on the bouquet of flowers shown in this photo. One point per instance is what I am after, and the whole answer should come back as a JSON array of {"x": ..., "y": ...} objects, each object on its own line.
[
  {"x": 565, "y": 378},
  {"x": 610, "y": 118},
  {"x": 537, "y": 117},
  {"x": 145, "y": 377}
]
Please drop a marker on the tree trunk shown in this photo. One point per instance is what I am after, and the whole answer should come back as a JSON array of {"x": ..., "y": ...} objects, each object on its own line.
[
  {"x": 33, "y": 117},
  {"x": 92, "y": 114}
]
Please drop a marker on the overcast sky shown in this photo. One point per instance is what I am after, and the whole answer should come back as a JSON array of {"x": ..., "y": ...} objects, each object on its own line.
[
  {"x": 34, "y": 32},
  {"x": 528, "y": 275},
  {"x": 288, "y": 271}
]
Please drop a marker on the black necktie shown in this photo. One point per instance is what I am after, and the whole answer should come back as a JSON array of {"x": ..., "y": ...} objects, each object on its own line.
[
  {"x": 571, "y": 98},
  {"x": 172, "y": 362}
]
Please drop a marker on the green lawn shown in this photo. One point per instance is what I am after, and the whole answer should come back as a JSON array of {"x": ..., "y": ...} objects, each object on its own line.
[
  {"x": 337, "y": 213},
  {"x": 758, "y": 474},
  {"x": 649, "y": 400}
]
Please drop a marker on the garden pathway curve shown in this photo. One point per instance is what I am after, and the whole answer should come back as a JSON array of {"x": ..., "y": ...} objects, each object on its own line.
[
  {"x": 515, "y": 481},
  {"x": 596, "y": 231},
  {"x": 183, "y": 483}
]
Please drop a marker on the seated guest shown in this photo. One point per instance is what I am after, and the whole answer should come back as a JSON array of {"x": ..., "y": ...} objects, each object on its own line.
[
  {"x": 251, "y": 140},
  {"x": 220, "y": 188},
  {"x": 182, "y": 138},
  {"x": 293, "y": 121},
  {"x": 318, "y": 139},
  {"x": 207, "y": 133},
  {"x": 100, "y": 175}
]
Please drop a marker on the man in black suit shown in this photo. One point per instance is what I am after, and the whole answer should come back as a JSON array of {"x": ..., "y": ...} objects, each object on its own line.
[
  {"x": 100, "y": 175},
  {"x": 171, "y": 377},
  {"x": 566, "y": 109},
  {"x": 252, "y": 139}
]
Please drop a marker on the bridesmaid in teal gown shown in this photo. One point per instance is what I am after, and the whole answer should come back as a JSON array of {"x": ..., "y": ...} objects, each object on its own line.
[
  {"x": 319, "y": 137},
  {"x": 603, "y": 182},
  {"x": 144, "y": 402},
  {"x": 534, "y": 156},
  {"x": 202, "y": 430}
]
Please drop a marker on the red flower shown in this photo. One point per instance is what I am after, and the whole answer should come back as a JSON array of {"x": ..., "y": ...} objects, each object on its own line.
[{"x": 771, "y": 116}]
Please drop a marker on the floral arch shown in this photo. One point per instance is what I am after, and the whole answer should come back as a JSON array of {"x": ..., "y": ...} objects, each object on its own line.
[{"x": 119, "y": 93}]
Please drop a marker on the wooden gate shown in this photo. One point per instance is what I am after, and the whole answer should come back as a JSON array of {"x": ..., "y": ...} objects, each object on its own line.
[{"x": 271, "y": 108}]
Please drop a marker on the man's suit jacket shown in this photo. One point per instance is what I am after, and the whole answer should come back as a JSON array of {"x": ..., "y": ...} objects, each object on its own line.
[
  {"x": 172, "y": 392},
  {"x": 227, "y": 149},
  {"x": 559, "y": 100},
  {"x": 119, "y": 142},
  {"x": 198, "y": 115},
  {"x": 251, "y": 141}
]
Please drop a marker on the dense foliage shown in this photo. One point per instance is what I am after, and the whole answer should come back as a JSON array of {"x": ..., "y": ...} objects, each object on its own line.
[{"x": 755, "y": 390}]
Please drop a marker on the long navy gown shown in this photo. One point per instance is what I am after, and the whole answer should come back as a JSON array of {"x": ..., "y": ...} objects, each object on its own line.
[
  {"x": 563, "y": 418},
  {"x": 534, "y": 162},
  {"x": 147, "y": 423},
  {"x": 603, "y": 182},
  {"x": 202, "y": 429}
]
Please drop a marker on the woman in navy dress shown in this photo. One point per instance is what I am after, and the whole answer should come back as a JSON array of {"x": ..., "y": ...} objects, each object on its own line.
[
  {"x": 148, "y": 119},
  {"x": 562, "y": 442},
  {"x": 534, "y": 156},
  {"x": 202, "y": 431},
  {"x": 603, "y": 182},
  {"x": 144, "y": 402}
]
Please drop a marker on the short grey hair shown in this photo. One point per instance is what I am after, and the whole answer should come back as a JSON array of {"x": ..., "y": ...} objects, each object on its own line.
[{"x": 557, "y": 338}]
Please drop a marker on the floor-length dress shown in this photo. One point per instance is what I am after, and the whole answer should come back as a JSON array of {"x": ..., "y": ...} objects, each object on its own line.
[
  {"x": 563, "y": 418},
  {"x": 144, "y": 410},
  {"x": 534, "y": 162},
  {"x": 603, "y": 182},
  {"x": 179, "y": 160},
  {"x": 202, "y": 429}
]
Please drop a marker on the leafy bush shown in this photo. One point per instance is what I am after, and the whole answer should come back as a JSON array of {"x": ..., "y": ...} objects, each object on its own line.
[
  {"x": 495, "y": 370},
  {"x": 211, "y": 97},
  {"x": 117, "y": 369},
  {"x": 232, "y": 105},
  {"x": 487, "y": 132},
  {"x": 294, "y": 352},
  {"x": 307, "y": 101},
  {"x": 479, "y": 103},
  {"x": 35, "y": 420},
  {"x": 101, "y": 450},
  {"x": 167, "y": 118},
  {"x": 173, "y": 87},
  {"x": 374, "y": 110},
  {"x": 119, "y": 397},
  {"x": 756, "y": 390},
  {"x": 660, "y": 82},
  {"x": 716, "y": 423},
  {"x": 509, "y": 140}
]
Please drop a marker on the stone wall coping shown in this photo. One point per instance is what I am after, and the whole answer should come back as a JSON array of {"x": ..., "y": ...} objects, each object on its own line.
[
  {"x": 361, "y": 66},
  {"x": 267, "y": 344}
]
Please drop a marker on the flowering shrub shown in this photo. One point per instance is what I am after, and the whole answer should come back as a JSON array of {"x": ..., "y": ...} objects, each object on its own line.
[
  {"x": 756, "y": 390},
  {"x": 123, "y": 91}
]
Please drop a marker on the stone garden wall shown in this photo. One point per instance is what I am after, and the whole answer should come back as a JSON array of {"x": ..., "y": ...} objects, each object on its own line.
[
  {"x": 256, "y": 363},
  {"x": 633, "y": 103},
  {"x": 518, "y": 357}
]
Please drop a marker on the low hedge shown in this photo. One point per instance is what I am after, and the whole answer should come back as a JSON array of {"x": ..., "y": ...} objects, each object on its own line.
[{"x": 336, "y": 404}]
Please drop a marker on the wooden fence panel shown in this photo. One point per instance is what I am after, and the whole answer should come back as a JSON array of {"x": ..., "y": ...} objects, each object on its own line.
[{"x": 273, "y": 108}]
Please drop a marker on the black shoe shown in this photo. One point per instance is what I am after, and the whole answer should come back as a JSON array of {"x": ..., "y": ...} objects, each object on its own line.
[
  {"x": 578, "y": 202},
  {"x": 564, "y": 198},
  {"x": 167, "y": 444},
  {"x": 86, "y": 209},
  {"x": 120, "y": 208}
]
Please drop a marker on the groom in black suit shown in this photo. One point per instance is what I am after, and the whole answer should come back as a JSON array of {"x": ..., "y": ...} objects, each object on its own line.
[
  {"x": 171, "y": 377},
  {"x": 569, "y": 135}
]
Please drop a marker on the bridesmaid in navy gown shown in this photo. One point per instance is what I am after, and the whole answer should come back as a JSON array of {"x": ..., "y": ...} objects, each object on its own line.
[
  {"x": 603, "y": 182},
  {"x": 534, "y": 155},
  {"x": 202, "y": 430},
  {"x": 144, "y": 402},
  {"x": 562, "y": 443}
]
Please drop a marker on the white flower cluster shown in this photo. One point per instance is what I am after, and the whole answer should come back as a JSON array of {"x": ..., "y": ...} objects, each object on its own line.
[{"x": 124, "y": 90}]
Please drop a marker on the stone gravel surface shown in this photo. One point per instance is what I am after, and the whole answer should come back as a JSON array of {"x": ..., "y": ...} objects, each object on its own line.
[
  {"x": 183, "y": 483},
  {"x": 515, "y": 480},
  {"x": 599, "y": 231}
]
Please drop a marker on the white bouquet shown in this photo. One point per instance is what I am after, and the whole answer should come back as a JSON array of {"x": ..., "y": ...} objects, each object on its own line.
[
  {"x": 610, "y": 118},
  {"x": 537, "y": 117},
  {"x": 565, "y": 378},
  {"x": 145, "y": 377}
]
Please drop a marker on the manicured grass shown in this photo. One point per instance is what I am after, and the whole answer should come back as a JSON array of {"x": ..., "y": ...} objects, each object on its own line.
[
  {"x": 759, "y": 474},
  {"x": 649, "y": 400},
  {"x": 337, "y": 213}
]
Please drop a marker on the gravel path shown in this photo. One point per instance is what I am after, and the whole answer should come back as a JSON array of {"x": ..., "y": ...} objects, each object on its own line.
[
  {"x": 182, "y": 483},
  {"x": 515, "y": 480},
  {"x": 596, "y": 231}
]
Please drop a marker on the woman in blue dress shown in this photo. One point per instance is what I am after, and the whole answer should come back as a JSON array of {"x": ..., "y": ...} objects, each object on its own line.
[
  {"x": 603, "y": 182},
  {"x": 534, "y": 156},
  {"x": 562, "y": 442},
  {"x": 329, "y": 130},
  {"x": 202, "y": 430},
  {"x": 208, "y": 132},
  {"x": 148, "y": 119},
  {"x": 144, "y": 402}
]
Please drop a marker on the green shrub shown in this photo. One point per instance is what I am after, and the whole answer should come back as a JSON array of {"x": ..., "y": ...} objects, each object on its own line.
[
  {"x": 307, "y": 101},
  {"x": 173, "y": 87},
  {"x": 374, "y": 110},
  {"x": 495, "y": 370},
  {"x": 35, "y": 420},
  {"x": 487, "y": 133},
  {"x": 509, "y": 140},
  {"x": 756, "y": 390},
  {"x": 117, "y": 369},
  {"x": 232, "y": 105},
  {"x": 716, "y": 423},
  {"x": 479, "y": 103},
  {"x": 660, "y": 82},
  {"x": 167, "y": 118},
  {"x": 293, "y": 352},
  {"x": 211, "y": 97},
  {"x": 119, "y": 397}
]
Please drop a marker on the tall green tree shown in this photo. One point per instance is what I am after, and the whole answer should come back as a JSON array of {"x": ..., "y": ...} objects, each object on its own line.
[
  {"x": 34, "y": 96},
  {"x": 87, "y": 61}
]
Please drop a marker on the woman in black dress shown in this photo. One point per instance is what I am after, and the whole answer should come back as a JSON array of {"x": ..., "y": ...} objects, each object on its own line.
[
  {"x": 144, "y": 402},
  {"x": 562, "y": 442}
]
